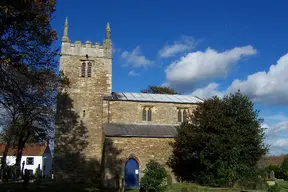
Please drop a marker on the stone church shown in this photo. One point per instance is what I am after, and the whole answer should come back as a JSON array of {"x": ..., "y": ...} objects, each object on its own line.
[{"x": 125, "y": 130}]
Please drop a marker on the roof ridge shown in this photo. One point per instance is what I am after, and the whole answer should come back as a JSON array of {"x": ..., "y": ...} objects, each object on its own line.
[
  {"x": 155, "y": 93},
  {"x": 151, "y": 97}
]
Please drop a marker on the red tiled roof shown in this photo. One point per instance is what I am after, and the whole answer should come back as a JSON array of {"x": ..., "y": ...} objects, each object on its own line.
[
  {"x": 276, "y": 160},
  {"x": 271, "y": 160},
  {"x": 29, "y": 150}
]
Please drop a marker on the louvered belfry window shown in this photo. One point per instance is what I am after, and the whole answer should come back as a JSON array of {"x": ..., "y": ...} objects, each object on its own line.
[
  {"x": 89, "y": 70},
  {"x": 83, "y": 69}
]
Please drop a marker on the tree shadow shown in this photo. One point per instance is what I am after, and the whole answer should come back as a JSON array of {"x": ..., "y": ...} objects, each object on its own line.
[
  {"x": 114, "y": 166},
  {"x": 71, "y": 141}
]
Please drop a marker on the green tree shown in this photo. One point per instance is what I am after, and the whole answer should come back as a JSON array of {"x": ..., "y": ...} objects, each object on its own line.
[
  {"x": 159, "y": 90},
  {"x": 221, "y": 145},
  {"x": 284, "y": 164},
  {"x": 284, "y": 167},
  {"x": 27, "y": 80},
  {"x": 154, "y": 177}
]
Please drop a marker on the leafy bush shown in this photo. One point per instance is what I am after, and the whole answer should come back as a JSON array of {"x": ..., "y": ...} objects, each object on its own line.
[
  {"x": 274, "y": 188},
  {"x": 278, "y": 171},
  {"x": 154, "y": 177}
]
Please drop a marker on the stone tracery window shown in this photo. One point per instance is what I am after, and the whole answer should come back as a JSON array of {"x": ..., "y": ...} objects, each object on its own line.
[
  {"x": 182, "y": 114},
  {"x": 147, "y": 113}
]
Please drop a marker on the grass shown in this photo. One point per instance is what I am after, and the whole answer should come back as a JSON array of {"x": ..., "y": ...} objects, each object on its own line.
[
  {"x": 47, "y": 186},
  {"x": 50, "y": 187},
  {"x": 283, "y": 185},
  {"x": 191, "y": 187}
]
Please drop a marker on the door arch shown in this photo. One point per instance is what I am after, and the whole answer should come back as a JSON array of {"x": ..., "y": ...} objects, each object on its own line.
[{"x": 131, "y": 177}]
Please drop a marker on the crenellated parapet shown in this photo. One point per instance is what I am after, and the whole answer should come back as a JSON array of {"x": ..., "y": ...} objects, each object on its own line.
[{"x": 83, "y": 49}]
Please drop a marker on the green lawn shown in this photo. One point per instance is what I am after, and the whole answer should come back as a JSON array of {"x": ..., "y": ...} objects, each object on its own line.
[
  {"x": 50, "y": 187},
  {"x": 196, "y": 188},
  {"x": 283, "y": 185},
  {"x": 57, "y": 187}
]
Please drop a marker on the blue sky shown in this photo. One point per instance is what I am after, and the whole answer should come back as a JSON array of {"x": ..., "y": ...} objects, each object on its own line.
[{"x": 197, "y": 47}]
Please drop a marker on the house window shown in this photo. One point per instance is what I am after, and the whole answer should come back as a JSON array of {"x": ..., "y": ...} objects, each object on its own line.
[
  {"x": 89, "y": 70},
  {"x": 147, "y": 114},
  {"x": 182, "y": 114},
  {"x": 30, "y": 161},
  {"x": 83, "y": 69}
]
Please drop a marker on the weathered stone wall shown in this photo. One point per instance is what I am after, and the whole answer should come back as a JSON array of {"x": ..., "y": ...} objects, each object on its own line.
[
  {"x": 119, "y": 149},
  {"x": 83, "y": 140},
  {"x": 131, "y": 112}
]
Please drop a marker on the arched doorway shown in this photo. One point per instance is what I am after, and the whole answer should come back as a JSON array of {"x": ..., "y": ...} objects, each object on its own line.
[{"x": 131, "y": 176}]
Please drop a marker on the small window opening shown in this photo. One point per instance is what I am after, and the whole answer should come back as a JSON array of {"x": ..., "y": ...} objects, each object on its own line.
[
  {"x": 144, "y": 114},
  {"x": 30, "y": 161},
  {"x": 83, "y": 69},
  {"x": 83, "y": 113},
  {"x": 89, "y": 71},
  {"x": 149, "y": 115},
  {"x": 184, "y": 116},
  {"x": 179, "y": 115}
]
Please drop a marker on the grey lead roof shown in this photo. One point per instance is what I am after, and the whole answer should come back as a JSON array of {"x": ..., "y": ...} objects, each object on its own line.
[
  {"x": 140, "y": 130},
  {"x": 126, "y": 96}
]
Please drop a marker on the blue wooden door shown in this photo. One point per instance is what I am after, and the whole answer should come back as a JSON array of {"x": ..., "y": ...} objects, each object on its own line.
[{"x": 131, "y": 174}]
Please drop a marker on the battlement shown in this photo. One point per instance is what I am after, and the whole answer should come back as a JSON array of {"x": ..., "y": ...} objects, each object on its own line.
[{"x": 79, "y": 49}]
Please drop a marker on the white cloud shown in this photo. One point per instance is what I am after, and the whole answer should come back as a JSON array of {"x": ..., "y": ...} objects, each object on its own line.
[
  {"x": 277, "y": 129},
  {"x": 184, "y": 44},
  {"x": 266, "y": 87},
  {"x": 208, "y": 91},
  {"x": 133, "y": 73},
  {"x": 262, "y": 87},
  {"x": 135, "y": 59},
  {"x": 276, "y": 133},
  {"x": 278, "y": 146},
  {"x": 197, "y": 66}
]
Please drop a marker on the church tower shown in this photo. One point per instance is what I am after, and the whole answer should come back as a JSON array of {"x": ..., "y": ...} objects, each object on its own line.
[{"x": 89, "y": 70}]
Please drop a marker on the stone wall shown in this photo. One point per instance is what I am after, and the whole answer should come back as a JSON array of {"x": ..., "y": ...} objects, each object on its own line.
[
  {"x": 119, "y": 149},
  {"x": 80, "y": 135},
  {"x": 131, "y": 112}
]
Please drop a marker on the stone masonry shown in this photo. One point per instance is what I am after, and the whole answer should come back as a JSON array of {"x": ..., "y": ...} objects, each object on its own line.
[
  {"x": 87, "y": 92},
  {"x": 131, "y": 112},
  {"x": 90, "y": 94}
]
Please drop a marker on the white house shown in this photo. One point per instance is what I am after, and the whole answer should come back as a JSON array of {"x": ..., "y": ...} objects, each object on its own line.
[{"x": 35, "y": 156}]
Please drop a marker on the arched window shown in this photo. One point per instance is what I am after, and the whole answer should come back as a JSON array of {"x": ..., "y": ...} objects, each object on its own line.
[
  {"x": 144, "y": 114},
  {"x": 83, "y": 113},
  {"x": 89, "y": 70},
  {"x": 149, "y": 115},
  {"x": 179, "y": 115},
  {"x": 184, "y": 116},
  {"x": 83, "y": 69}
]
